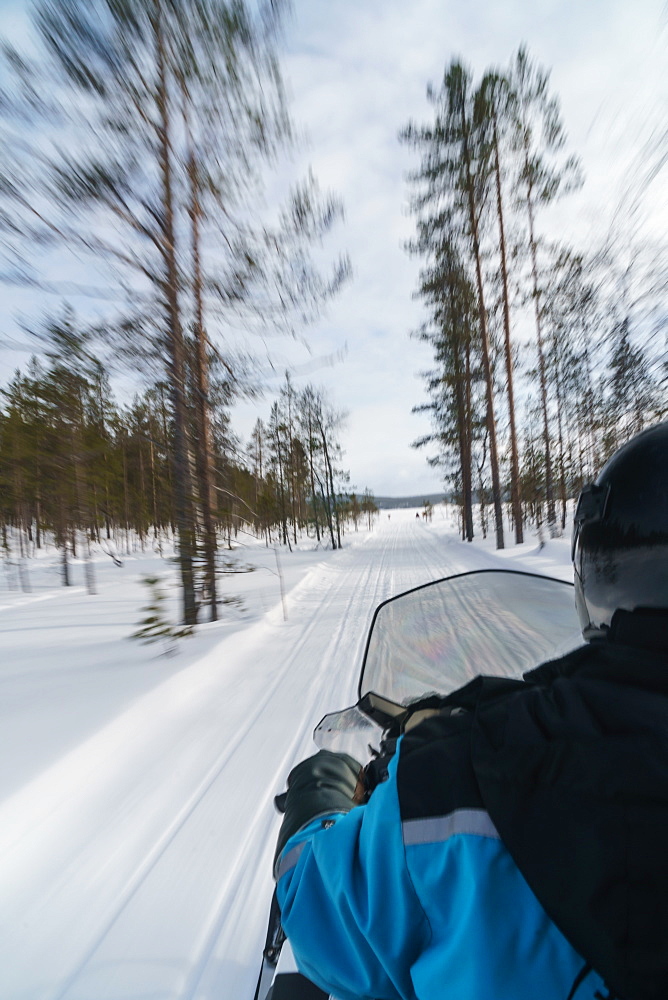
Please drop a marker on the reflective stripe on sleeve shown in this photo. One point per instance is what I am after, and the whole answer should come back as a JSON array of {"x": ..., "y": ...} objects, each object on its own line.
[
  {"x": 438, "y": 828},
  {"x": 290, "y": 859}
]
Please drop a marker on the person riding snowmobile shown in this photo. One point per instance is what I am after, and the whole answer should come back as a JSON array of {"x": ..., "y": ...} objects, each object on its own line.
[{"x": 515, "y": 843}]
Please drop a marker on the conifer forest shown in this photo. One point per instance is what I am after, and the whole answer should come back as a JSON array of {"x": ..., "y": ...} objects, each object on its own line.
[
  {"x": 546, "y": 358},
  {"x": 173, "y": 110}
]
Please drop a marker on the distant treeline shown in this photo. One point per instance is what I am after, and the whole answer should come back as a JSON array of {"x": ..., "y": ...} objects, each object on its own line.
[
  {"x": 80, "y": 467},
  {"x": 419, "y": 500}
]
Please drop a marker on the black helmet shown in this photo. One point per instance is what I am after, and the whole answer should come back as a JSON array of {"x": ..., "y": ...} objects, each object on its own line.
[{"x": 620, "y": 545}]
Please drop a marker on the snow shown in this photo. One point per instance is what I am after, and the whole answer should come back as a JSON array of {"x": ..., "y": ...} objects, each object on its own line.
[{"x": 136, "y": 819}]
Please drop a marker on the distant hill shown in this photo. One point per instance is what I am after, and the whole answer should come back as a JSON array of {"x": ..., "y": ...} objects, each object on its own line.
[{"x": 418, "y": 500}]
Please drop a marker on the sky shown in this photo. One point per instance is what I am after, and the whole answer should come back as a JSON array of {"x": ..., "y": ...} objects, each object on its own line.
[{"x": 357, "y": 72}]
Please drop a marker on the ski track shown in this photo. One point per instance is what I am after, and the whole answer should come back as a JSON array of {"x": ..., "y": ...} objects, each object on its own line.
[{"x": 139, "y": 865}]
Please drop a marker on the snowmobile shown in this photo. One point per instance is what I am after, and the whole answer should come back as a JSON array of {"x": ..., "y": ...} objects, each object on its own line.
[{"x": 423, "y": 645}]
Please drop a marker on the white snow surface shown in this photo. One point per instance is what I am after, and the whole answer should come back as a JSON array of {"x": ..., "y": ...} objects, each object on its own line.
[{"x": 136, "y": 818}]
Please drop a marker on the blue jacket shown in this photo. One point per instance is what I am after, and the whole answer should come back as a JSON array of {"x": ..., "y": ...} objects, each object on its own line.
[
  {"x": 431, "y": 909},
  {"x": 415, "y": 896}
]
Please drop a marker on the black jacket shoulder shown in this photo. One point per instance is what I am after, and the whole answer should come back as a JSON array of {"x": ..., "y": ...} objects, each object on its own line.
[{"x": 573, "y": 770}]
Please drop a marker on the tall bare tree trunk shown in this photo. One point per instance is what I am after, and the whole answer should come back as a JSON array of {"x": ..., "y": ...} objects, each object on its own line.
[
  {"x": 169, "y": 285},
  {"x": 514, "y": 458},
  {"x": 462, "y": 395},
  {"x": 82, "y": 511},
  {"x": 126, "y": 502},
  {"x": 312, "y": 477},
  {"x": 38, "y": 520},
  {"x": 204, "y": 450},
  {"x": 482, "y": 315},
  {"x": 549, "y": 485},
  {"x": 62, "y": 538},
  {"x": 560, "y": 432}
]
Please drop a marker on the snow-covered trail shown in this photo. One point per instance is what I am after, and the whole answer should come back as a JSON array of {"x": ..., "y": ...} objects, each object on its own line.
[{"x": 137, "y": 866}]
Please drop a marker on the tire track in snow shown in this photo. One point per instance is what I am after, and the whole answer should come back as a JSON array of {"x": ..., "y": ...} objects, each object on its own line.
[
  {"x": 150, "y": 897},
  {"x": 382, "y": 579},
  {"x": 383, "y": 576},
  {"x": 232, "y": 900},
  {"x": 137, "y": 879},
  {"x": 331, "y": 584}
]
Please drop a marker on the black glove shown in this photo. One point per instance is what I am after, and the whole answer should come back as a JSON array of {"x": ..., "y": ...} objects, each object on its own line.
[{"x": 320, "y": 785}]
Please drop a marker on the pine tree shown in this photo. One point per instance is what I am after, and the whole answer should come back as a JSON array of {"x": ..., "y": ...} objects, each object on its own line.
[
  {"x": 632, "y": 396},
  {"x": 493, "y": 106},
  {"x": 369, "y": 506},
  {"x": 538, "y": 139},
  {"x": 449, "y": 294},
  {"x": 455, "y": 172}
]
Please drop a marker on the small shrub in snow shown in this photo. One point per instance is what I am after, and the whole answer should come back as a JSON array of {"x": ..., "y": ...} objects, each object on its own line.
[{"x": 156, "y": 627}]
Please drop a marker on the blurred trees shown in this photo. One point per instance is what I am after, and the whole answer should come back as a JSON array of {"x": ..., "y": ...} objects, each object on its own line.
[
  {"x": 454, "y": 385},
  {"x": 538, "y": 140},
  {"x": 491, "y": 159},
  {"x": 302, "y": 455},
  {"x": 76, "y": 468},
  {"x": 136, "y": 138},
  {"x": 452, "y": 192}
]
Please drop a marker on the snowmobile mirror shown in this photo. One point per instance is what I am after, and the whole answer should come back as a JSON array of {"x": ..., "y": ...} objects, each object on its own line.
[{"x": 350, "y": 731}]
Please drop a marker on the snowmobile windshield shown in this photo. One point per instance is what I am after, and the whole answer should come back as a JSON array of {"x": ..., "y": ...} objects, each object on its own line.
[{"x": 439, "y": 636}]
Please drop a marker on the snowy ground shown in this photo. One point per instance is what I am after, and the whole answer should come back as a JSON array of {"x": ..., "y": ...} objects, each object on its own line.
[{"x": 136, "y": 820}]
